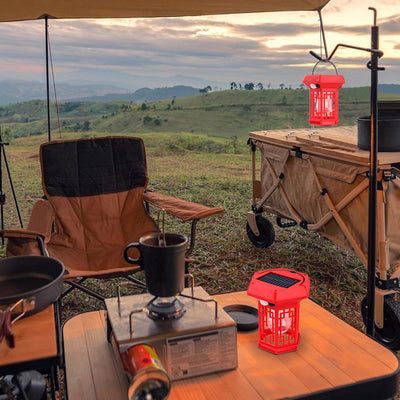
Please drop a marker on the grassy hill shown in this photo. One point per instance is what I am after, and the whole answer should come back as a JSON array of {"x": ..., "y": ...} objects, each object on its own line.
[{"x": 225, "y": 113}]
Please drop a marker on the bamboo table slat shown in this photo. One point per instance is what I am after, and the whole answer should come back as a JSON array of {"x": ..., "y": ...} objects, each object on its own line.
[{"x": 333, "y": 361}]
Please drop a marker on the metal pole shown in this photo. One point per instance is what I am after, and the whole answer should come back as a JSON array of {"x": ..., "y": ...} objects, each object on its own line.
[
  {"x": 2, "y": 144},
  {"x": 2, "y": 194},
  {"x": 373, "y": 170},
  {"x": 47, "y": 76}
]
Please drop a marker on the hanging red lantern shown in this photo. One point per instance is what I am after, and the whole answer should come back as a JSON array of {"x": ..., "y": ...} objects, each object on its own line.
[{"x": 324, "y": 98}]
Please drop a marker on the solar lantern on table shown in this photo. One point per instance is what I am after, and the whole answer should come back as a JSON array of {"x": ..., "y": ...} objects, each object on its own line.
[{"x": 279, "y": 292}]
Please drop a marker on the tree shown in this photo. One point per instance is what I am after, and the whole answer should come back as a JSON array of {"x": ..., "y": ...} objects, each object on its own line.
[
  {"x": 143, "y": 106},
  {"x": 233, "y": 86},
  {"x": 281, "y": 85},
  {"x": 249, "y": 86},
  {"x": 206, "y": 89},
  {"x": 260, "y": 86},
  {"x": 5, "y": 134}
]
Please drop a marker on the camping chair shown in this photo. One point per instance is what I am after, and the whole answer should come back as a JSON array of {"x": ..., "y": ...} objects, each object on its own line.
[{"x": 95, "y": 203}]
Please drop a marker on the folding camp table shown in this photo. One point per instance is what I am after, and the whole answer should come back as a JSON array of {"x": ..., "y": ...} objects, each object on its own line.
[
  {"x": 318, "y": 179},
  {"x": 333, "y": 361}
]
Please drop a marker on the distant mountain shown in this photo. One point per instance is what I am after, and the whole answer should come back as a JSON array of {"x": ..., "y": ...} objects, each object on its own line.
[
  {"x": 20, "y": 91},
  {"x": 389, "y": 88},
  {"x": 147, "y": 95},
  {"x": 12, "y": 92}
]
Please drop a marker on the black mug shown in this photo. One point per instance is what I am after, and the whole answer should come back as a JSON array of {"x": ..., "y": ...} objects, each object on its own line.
[{"x": 162, "y": 256}]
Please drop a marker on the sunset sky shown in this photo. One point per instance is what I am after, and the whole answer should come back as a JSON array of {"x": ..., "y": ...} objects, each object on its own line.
[{"x": 271, "y": 48}]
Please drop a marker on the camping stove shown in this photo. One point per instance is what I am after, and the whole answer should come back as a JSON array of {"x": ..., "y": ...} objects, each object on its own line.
[{"x": 191, "y": 333}]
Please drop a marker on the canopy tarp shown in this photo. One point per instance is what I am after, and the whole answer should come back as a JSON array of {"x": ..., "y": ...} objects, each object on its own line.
[{"x": 18, "y": 10}]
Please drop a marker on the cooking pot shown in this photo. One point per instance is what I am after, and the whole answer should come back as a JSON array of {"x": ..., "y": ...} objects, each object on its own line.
[
  {"x": 32, "y": 283},
  {"x": 388, "y": 133}
]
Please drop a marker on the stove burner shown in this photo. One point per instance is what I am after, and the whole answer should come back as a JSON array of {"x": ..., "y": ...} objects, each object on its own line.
[{"x": 165, "y": 308}]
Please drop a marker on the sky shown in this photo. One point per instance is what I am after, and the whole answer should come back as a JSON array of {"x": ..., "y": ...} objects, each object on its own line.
[{"x": 270, "y": 48}]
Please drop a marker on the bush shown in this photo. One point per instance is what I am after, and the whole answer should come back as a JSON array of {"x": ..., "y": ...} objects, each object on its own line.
[{"x": 147, "y": 119}]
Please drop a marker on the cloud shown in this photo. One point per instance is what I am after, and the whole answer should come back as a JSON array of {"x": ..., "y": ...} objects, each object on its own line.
[{"x": 214, "y": 49}]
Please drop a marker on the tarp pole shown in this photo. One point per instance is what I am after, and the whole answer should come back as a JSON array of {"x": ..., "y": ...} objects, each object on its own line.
[
  {"x": 373, "y": 170},
  {"x": 47, "y": 76}
]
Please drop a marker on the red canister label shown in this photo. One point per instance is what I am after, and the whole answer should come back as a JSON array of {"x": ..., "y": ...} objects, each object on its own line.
[{"x": 139, "y": 357}]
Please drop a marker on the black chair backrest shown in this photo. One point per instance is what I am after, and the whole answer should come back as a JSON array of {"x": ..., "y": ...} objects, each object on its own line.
[{"x": 89, "y": 167}]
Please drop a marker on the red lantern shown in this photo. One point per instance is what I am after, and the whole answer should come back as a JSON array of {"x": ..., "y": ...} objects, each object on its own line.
[
  {"x": 324, "y": 98},
  {"x": 279, "y": 292}
]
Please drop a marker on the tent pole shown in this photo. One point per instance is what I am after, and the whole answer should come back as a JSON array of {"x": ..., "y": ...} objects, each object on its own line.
[
  {"x": 373, "y": 171},
  {"x": 47, "y": 76}
]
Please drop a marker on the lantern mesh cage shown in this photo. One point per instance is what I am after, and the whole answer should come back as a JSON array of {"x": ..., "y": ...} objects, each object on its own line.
[
  {"x": 278, "y": 327},
  {"x": 323, "y": 110}
]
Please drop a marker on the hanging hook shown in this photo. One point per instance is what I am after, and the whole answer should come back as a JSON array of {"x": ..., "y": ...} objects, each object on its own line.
[{"x": 375, "y": 13}]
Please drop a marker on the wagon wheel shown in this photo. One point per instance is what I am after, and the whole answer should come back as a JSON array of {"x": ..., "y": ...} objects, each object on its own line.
[
  {"x": 267, "y": 232},
  {"x": 389, "y": 335}
]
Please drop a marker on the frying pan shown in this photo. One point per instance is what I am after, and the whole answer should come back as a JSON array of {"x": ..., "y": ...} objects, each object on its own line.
[{"x": 35, "y": 282}]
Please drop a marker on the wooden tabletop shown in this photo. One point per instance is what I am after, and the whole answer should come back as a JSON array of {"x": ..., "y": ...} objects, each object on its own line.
[
  {"x": 333, "y": 361},
  {"x": 35, "y": 339},
  {"x": 339, "y": 143}
]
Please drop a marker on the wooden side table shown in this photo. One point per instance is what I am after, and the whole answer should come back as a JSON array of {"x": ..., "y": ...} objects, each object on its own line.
[{"x": 37, "y": 346}]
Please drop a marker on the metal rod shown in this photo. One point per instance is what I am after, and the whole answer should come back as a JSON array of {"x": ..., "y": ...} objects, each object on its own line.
[
  {"x": 2, "y": 194},
  {"x": 46, "y": 30},
  {"x": 323, "y": 33},
  {"x": 379, "y": 53},
  {"x": 2, "y": 144},
  {"x": 373, "y": 170}
]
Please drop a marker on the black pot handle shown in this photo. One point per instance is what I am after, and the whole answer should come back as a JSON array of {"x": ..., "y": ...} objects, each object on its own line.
[{"x": 130, "y": 260}]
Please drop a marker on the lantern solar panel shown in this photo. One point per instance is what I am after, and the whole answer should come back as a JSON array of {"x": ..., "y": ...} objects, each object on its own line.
[{"x": 278, "y": 280}]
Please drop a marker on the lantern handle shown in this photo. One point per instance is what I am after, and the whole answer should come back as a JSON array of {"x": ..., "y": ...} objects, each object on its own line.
[{"x": 322, "y": 61}]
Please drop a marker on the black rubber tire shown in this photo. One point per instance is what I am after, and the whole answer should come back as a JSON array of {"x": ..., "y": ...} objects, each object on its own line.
[
  {"x": 267, "y": 232},
  {"x": 389, "y": 335}
]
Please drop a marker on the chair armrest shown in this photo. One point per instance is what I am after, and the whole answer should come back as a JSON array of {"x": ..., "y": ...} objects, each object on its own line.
[
  {"x": 20, "y": 233},
  {"x": 185, "y": 210},
  {"x": 32, "y": 240},
  {"x": 23, "y": 242},
  {"x": 42, "y": 218}
]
